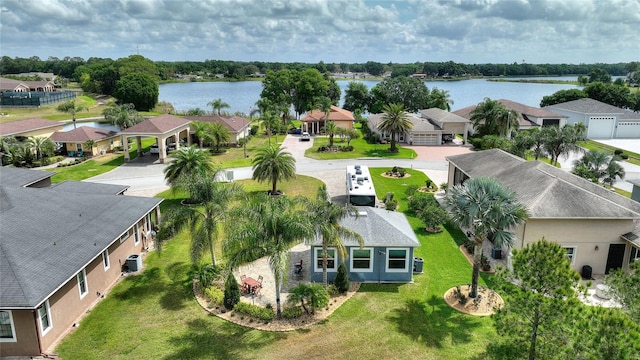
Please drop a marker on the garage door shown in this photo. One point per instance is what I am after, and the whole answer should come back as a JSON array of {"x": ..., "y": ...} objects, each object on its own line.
[
  {"x": 426, "y": 139},
  {"x": 600, "y": 127},
  {"x": 628, "y": 130}
]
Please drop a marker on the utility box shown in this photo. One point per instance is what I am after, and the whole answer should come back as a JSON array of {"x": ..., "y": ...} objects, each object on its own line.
[
  {"x": 496, "y": 253},
  {"x": 418, "y": 264},
  {"x": 134, "y": 263}
]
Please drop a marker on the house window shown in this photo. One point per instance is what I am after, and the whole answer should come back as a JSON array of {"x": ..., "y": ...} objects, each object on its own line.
[
  {"x": 124, "y": 236},
  {"x": 136, "y": 234},
  {"x": 44, "y": 314},
  {"x": 571, "y": 253},
  {"x": 361, "y": 260},
  {"x": 397, "y": 260},
  {"x": 147, "y": 223},
  {"x": 82, "y": 283},
  {"x": 79, "y": 147},
  {"x": 331, "y": 259},
  {"x": 7, "y": 330},
  {"x": 105, "y": 259}
]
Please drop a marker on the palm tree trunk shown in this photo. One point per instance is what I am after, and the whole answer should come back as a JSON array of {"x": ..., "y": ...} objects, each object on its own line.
[
  {"x": 278, "y": 310},
  {"x": 274, "y": 187},
  {"x": 477, "y": 258},
  {"x": 213, "y": 253}
]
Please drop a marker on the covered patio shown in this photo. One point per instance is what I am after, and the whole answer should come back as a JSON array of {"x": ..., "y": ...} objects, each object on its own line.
[{"x": 167, "y": 129}]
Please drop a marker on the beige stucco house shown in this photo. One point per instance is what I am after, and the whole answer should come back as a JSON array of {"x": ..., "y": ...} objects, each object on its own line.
[
  {"x": 598, "y": 228},
  {"x": 314, "y": 121},
  {"x": 75, "y": 141},
  {"x": 57, "y": 261},
  {"x": 238, "y": 126}
]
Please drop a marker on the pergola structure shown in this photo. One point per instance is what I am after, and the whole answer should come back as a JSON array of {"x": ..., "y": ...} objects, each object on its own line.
[{"x": 167, "y": 129}]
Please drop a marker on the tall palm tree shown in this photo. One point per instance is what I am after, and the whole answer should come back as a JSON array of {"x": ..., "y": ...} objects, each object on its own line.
[
  {"x": 218, "y": 105},
  {"x": 70, "y": 107},
  {"x": 484, "y": 116},
  {"x": 219, "y": 134},
  {"x": 331, "y": 129},
  {"x": 324, "y": 104},
  {"x": 200, "y": 131},
  {"x": 506, "y": 121},
  {"x": 267, "y": 226},
  {"x": 203, "y": 220},
  {"x": 485, "y": 207},
  {"x": 187, "y": 162},
  {"x": 325, "y": 217},
  {"x": 274, "y": 164},
  {"x": 124, "y": 115},
  {"x": 394, "y": 120}
]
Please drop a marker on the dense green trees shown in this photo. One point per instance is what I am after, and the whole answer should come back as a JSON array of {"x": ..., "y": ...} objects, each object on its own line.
[
  {"x": 410, "y": 92},
  {"x": 624, "y": 286},
  {"x": 491, "y": 117},
  {"x": 599, "y": 166},
  {"x": 485, "y": 208},
  {"x": 357, "y": 97},
  {"x": 139, "y": 89},
  {"x": 562, "y": 96},
  {"x": 609, "y": 93}
]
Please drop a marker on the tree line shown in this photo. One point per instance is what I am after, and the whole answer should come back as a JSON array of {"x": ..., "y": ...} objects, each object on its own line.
[{"x": 67, "y": 67}]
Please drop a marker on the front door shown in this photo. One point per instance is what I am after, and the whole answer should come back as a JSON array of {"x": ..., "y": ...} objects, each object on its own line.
[{"x": 615, "y": 258}]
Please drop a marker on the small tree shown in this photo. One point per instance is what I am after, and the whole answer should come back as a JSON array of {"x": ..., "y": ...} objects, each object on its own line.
[
  {"x": 432, "y": 216},
  {"x": 624, "y": 287},
  {"x": 342, "y": 278},
  {"x": 231, "y": 292}
]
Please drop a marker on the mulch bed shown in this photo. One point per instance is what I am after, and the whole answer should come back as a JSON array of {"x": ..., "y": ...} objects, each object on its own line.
[{"x": 487, "y": 304}]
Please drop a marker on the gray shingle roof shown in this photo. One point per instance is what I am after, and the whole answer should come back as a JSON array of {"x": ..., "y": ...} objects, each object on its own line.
[
  {"x": 547, "y": 192},
  {"x": 594, "y": 107},
  {"x": 21, "y": 177},
  {"x": 379, "y": 227},
  {"x": 443, "y": 116},
  {"x": 17, "y": 127},
  {"x": 49, "y": 235}
]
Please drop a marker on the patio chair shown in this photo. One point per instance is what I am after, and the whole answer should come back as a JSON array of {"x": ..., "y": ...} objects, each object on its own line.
[
  {"x": 71, "y": 153},
  {"x": 298, "y": 268},
  {"x": 260, "y": 278}
]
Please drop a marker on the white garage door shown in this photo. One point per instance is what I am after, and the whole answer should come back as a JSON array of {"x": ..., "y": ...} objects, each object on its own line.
[
  {"x": 426, "y": 139},
  {"x": 628, "y": 130},
  {"x": 600, "y": 127}
]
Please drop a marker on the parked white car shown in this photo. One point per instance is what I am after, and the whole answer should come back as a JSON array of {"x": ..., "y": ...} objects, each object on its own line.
[{"x": 305, "y": 136}]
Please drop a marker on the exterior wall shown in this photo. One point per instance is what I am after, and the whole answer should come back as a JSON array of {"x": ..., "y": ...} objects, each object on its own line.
[
  {"x": 66, "y": 305},
  {"x": 24, "y": 322},
  {"x": 40, "y": 132},
  {"x": 378, "y": 274},
  {"x": 584, "y": 235}
]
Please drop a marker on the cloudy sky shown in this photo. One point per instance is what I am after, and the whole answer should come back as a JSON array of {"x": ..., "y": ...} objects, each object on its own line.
[{"x": 352, "y": 31}]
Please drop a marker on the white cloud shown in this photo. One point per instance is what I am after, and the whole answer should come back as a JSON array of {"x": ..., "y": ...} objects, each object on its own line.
[{"x": 553, "y": 31}]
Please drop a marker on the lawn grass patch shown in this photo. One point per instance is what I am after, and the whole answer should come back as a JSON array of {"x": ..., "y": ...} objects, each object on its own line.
[
  {"x": 594, "y": 145},
  {"x": 361, "y": 149}
]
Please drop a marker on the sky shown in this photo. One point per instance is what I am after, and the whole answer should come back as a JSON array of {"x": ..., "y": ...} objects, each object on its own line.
[{"x": 333, "y": 31}]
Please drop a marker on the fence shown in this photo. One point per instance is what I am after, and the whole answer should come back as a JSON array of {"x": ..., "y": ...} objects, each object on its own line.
[{"x": 34, "y": 98}]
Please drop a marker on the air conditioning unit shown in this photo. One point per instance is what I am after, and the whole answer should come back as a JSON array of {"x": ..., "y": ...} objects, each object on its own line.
[{"x": 134, "y": 263}]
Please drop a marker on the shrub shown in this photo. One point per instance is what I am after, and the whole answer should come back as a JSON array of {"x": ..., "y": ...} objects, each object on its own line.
[
  {"x": 214, "y": 294},
  {"x": 291, "y": 312},
  {"x": 391, "y": 205},
  {"x": 618, "y": 152},
  {"x": 421, "y": 201},
  {"x": 332, "y": 290},
  {"x": 389, "y": 196},
  {"x": 484, "y": 263},
  {"x": 624, "y": 156},
  {"x": 206, "y": 274},
  {"x": 231, "y": 292},
  {"x": 254, "y": 310},
  {"x": 253, "y": 130},
  {"x": 374, "y": 138},
  {"x": 402, "y": 172},
  {"x": 469, "y": 245},
  {"x": 433, "y": 215},
  {"x": 411, "y": 189},
  {"x": 342, "y": 279}
]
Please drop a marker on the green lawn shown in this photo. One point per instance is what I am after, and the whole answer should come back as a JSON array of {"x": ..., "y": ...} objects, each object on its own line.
[
  {"x": 98, "y": 165},
  {"x": 361, "y": 149},
  {"x": 50, "y": 111},
  {"x": 234, "y": 156},
  {"x": 154, "y": 315},
  {"x": 594, "y": 145}
]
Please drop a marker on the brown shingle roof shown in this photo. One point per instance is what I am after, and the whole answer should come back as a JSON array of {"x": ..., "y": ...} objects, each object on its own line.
[
  {"x": 82, "y": 134},
  {"x": 157, "y": 125},
  {"x": 234, "y": 123},
  {"x": 17, "y": 127},
  {"x": 336, "y": 114}
]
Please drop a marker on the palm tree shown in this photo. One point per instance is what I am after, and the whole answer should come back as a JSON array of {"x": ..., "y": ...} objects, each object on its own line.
[
  {"x": 485, "y": 117},
  {"x": 506, "y": 121},
  {"x": 598, "y": 166},
  {"x": 440, "y": 99},
  {"x": 563, "y": 141},
  {"x": 70, "y": 107},
  {"x": 325, "y": 217},
  {"x": 218, "y": 105},
  {"x": 187, "y": 162},
  {"x": 41, "y": 145},
  {"x": 200, "y": 131},
  {"x": 394, "y": 120},
  {"x": 219, "y": 134},
  {"x": 314, "y": 295},
  {"x": 203, "y": 220},
  {"x": 485, "y": 208},
  {"x": 331, "y": 129},
  {"x": 267, "y": 226},
  {"x": 274, "y": 164},
  {"x": 324, "y": 104},
  {"x": 124, "y": 116}
]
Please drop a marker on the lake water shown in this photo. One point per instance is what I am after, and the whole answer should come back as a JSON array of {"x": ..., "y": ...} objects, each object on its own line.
[{"x": 242, "y": 95}]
